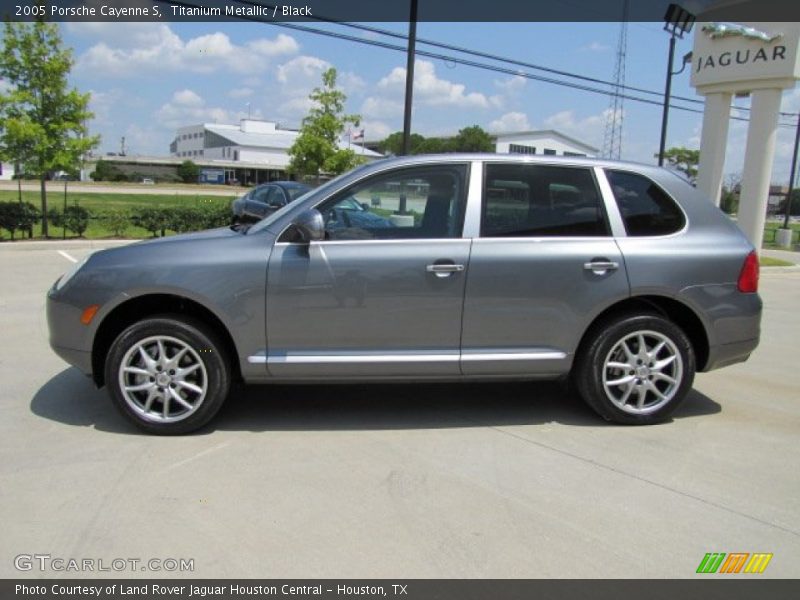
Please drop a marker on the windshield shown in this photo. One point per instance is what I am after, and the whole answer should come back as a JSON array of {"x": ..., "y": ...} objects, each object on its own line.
[
  {"x": 297, "y": 191},
  {"x": 266, "y": 222}
]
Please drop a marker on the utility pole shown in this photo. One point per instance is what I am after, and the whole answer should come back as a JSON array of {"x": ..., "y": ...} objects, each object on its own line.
[{"x": 412, "y": 44}]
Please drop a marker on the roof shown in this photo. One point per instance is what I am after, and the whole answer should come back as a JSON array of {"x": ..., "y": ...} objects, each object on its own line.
[{"x": 280, "y": 139}]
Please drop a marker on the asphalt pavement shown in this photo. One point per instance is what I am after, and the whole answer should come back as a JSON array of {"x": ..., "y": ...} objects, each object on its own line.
[{"x": 404, "y": 481}]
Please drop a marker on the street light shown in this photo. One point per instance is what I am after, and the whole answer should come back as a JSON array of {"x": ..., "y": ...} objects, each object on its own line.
[{"x": 677, "y": 22}]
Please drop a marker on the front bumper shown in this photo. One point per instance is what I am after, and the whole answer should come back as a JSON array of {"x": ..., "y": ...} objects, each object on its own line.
[{"x": 69, "y": 338}]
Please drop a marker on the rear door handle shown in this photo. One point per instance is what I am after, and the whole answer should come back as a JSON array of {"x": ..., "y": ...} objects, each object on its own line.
[
  {"x": 601, "y": 266},
  {"x": 444, "y": 270}
]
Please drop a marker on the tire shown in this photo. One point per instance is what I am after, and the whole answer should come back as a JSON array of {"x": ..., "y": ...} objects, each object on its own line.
[
  {"x": 168, "y": 397},
  {"x": 638, "y": 393}
]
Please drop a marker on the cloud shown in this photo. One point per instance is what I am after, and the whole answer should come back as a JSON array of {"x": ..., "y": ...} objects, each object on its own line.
[
  {"x": 242, "y": 92},
  {"x": 187, "y": 98},
  {"x": 376, "y": 130},
  {"x": 381, "y": 108},
  {"x": 140, "y": 48},
  {"x": 587, "y": 129},
  {"x": 512, "y": 121},
  {"x": 512, "y": 84},
  {"x": 595, "y": 47},
  {"x": 429, "y": 89},
  {"x": 187, "y": 107},
  {"x": 298, "y": 77}
]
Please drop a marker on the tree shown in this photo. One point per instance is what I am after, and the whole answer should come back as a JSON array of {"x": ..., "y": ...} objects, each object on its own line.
[
  {"x": 188, "y": 171},
  {"x": 107, "y": 171},
  {"x": 473, "y": 139},
  {"x": 316, "y": 149},
  {"x": 393, "y": 144},
  {"x": 684, "y": 160},
  {"x": 42, "y": 121},
  {"x": 729, "y": 196},
  {"x": 795, "y": 206},
  {"x": 469, "y": 139}
]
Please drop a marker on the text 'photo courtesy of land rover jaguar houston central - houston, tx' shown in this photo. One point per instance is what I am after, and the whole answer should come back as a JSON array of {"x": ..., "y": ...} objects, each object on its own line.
[{"x": 620, "y": 276}]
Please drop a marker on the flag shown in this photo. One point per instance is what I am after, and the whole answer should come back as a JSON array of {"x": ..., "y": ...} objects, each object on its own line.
[{"x": 359, "y": 135}]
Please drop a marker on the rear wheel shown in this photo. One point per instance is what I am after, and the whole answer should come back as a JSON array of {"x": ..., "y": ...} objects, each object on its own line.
[
  {"x": 635, "y": 369},
  {"x": 167, "y": 374}
]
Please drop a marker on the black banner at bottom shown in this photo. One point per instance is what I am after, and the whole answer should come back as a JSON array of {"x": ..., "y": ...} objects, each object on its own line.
[{"x": 727, "y": 588}]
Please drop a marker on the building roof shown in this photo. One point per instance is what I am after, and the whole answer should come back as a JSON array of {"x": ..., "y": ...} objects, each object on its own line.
[{"x": 281, "y": 139}]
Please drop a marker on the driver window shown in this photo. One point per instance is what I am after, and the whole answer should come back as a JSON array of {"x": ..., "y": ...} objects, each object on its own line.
[
  {"x": 275, "y": 197},
  {"x": 261, "y": 194},
  {"x": 414, "y": 203}
]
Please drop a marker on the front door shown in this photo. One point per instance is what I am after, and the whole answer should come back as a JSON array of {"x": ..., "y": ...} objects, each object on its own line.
[{"x": 382, "y": 295}]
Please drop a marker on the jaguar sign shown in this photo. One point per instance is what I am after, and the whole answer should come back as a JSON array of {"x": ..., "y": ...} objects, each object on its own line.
[{"x": 734, "y": 54}]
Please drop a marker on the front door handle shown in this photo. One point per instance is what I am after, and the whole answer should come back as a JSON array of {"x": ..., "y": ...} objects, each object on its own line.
[
  {"x": 444, "y": 269},
  {"x": 600, "y": 267}
]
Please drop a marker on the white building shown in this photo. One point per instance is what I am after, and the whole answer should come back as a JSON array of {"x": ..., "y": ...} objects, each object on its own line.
[
  {"x": 251, "y": 142},
  {"x": 546, "y": 141},
  {"x": 6, "y": 171}
]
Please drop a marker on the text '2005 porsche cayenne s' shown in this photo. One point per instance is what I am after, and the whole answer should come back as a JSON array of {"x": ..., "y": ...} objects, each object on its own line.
[{"x": 619, "y": 276}]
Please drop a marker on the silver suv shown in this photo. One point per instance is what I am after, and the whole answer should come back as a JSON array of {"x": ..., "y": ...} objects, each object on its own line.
[{"x": 456, "y": 267}]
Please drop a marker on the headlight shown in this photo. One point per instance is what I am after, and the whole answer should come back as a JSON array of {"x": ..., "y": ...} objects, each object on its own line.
[{"x": 71, "y": 273}]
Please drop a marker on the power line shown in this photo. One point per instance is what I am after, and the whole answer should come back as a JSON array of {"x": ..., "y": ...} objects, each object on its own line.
[
  {"x": 452, "y": 59},
  {"x": 494, "y": 57}
]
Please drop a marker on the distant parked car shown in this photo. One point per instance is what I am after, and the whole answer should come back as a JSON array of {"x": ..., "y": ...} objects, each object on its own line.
[
  {"x": 266, "y": 199},
  {"x": 456, "y": 267},
  {"x": 148, "y": 181}
]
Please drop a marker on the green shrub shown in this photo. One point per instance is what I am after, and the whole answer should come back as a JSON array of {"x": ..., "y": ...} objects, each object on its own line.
[
  {"x": 118, "y": 221},
  {"x": 153, "y": 219},
  {"x": 17, "y": 217},
  {"x": 76, "y": 219}
]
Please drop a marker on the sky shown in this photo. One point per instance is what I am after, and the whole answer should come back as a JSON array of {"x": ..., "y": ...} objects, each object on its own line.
[{"x": 147, "y": 79}]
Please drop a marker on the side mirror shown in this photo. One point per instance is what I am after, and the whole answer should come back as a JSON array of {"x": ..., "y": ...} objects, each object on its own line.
[{"x": 310, "y": 225}]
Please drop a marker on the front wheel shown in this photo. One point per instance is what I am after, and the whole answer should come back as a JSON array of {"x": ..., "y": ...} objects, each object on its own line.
[
  {"x": 636, "y": 369},
  {"x": 168, "y": 375}
]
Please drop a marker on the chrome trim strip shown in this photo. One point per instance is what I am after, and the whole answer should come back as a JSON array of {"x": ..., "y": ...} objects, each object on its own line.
[
  {"x": 359, "y": 358},
  {"x": 484, "y": 356},
  {"x": 402, "y": 358}
]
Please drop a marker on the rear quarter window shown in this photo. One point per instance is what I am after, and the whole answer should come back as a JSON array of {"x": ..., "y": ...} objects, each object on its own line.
[{"x": 646, "y": 209}]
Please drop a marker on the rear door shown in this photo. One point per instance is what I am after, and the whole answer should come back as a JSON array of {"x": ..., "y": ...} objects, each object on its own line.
[{"x": 545, "y": 264}]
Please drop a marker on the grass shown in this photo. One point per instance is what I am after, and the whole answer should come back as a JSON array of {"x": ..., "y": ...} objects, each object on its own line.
[
  {"x": 103, "y": 203},
  {"x": 767, "y": 261}
]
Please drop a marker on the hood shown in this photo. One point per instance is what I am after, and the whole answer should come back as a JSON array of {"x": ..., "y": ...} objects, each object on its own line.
[{"x": 219, "y": 232}]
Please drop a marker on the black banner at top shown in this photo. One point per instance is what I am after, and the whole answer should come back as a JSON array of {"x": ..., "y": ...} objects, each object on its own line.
[{"x": 393, "y": 10}]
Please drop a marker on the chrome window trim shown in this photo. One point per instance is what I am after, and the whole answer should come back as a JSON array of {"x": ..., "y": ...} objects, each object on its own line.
[
  {"x": 612, "y": 208},
  {"x": 472, "y": 214},
  {"x": 378, "y": 172},
  {"x": 387, "y": 241},
  {"x": 681, "y": 231}
]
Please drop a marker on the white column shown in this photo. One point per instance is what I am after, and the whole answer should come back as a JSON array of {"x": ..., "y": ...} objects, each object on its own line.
[
  {"x": 713, "y": 142},
  {"x": 758, "y": 163}
]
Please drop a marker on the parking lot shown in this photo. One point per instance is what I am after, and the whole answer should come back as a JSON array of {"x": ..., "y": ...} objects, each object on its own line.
[{"x": 407, "y": 481}]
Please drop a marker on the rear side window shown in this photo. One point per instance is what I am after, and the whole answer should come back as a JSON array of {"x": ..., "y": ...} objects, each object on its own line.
[
  {"x": 525, "y": 200},
  {"x": 646, "y": 209}
]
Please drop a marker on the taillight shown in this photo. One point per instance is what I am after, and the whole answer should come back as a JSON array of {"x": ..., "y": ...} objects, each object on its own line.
[{"x": 748, "y": 278}]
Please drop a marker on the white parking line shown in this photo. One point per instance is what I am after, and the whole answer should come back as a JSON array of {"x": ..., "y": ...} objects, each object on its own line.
[{"x": 67, "y": 256}]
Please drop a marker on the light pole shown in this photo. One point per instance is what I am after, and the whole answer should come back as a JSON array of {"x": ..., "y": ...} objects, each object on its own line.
[
  {"x": 791, "y": 178},
  {"x": 677, "y": 22}
]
